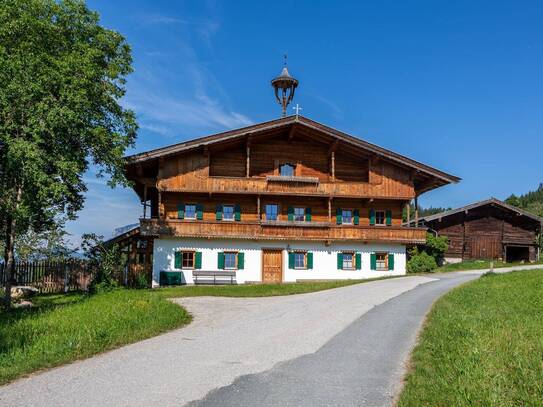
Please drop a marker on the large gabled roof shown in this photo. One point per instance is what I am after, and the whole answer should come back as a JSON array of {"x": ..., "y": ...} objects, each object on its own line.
[
  {"x": 286, "y": 122},
  {"x": 491, "y": 201}
]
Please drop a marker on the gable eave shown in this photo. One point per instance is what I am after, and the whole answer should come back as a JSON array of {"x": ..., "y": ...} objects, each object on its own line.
[{"x": 443, "y": 177}]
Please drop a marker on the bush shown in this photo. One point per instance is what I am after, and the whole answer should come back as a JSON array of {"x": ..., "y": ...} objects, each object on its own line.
[
  {"x": 107, "y": 262},
  {"x": 142, "y": 281},
  {"x": 436, "y": 246},
  {"x": 421, "y": 262}
]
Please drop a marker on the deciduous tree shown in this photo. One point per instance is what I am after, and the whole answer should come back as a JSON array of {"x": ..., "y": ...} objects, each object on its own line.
[{"x": 62, "y": 75}]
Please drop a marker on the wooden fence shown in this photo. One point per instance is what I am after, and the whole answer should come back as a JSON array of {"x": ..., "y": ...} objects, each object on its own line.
[{"x": 50, "y": 277}]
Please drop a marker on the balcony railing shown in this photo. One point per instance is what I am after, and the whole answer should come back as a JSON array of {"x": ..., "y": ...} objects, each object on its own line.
[{"x": 281, "y": 231}]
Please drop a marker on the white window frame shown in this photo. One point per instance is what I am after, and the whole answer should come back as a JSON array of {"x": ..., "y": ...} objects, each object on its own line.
[
  {"x": 233, "y": 212},
  {"x": 195, "y": 210},
  {"x": 384, "y": 217},
  {"x": 353, "y": 261},
  {"x": 303, "y": 215},
  {"x": 304, "y": 257},
  {"x": 385, "y": 261},
  {"x": 350, "y": 222},
  {"x": 276, "y": 214},
  {"x": 183, "y": 252},
  {"x": 235, "y": 254}
]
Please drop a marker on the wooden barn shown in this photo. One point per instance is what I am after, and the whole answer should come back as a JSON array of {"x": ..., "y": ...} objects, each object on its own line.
[{"x": 489, "y": 229}]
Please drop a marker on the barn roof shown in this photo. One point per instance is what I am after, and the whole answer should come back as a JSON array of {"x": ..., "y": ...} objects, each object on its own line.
[
  {"x": 491, "y": 201},
  {"x": 286, "y": 122}
]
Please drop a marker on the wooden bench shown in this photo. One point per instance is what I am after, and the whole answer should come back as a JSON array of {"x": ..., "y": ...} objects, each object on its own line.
[{"x": 219, "y": 277}]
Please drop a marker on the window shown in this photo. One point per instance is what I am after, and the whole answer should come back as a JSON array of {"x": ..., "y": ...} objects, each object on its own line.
[
  {"x": 381, "y": 261},
  {"x": 187, "y": 260},
  {"x": 228, "y": 212},
  {"x": 346, "y": 216},
  {"x": 190, "y": 211},
  {"x": 286, "y": 170},
  {"x": 141, "y": 258},
  {"x": 348, "y": 261},
  {"x": 379, "y": 217},
  {"x": 299, "y": 214},
  {"x": 299, "y": 260},
  {"x": 141, "y": 244},
  {"x": 272, "y": 211},
  {"x": 230, "y": 260}
]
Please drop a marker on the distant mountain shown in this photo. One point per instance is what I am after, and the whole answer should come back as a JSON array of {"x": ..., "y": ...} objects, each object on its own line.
[{"x": 531, "y": 201}]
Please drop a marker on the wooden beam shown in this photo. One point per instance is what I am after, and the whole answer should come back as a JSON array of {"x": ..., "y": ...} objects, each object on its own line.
[
  {"x": 416, "y": 211},
  {"x": 258, "y": 208},
  {"x": 248, "y": 162},
  {"x": 330, "y": 210},
  {"x": 160, "y": 205},
  {"x": 408, "y": 210},
  {"x": 144, "y": 201},
  {"x": 333, "y": 165}
]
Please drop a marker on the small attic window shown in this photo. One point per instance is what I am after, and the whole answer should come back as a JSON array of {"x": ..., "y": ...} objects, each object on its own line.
[{"x": 286, "y": 170}]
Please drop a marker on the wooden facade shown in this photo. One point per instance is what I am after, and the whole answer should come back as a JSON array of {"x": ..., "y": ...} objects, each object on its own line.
[
  {"x": 330, "y": 171},
  {"x": 489, "y": 229}
]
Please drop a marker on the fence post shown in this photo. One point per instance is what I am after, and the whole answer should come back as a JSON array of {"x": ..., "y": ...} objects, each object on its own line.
[{"x": 66, "y": 268}]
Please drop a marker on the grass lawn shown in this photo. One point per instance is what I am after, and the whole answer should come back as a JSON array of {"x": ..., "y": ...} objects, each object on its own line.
[
  {"x": 482, "y": 345},
  {"x": 478, "y": 265},
  {"x": 63, "y": 328}
]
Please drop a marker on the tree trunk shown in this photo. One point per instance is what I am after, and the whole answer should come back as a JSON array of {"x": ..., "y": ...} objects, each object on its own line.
[{"x": 9, "y": 259}]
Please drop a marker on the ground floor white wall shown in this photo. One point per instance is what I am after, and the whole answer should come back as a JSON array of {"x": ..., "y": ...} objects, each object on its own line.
[{"x": 324, "y": 258}]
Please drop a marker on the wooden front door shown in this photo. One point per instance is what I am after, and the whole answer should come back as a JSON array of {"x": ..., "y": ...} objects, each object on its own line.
[{"x": 272, "y": 266}]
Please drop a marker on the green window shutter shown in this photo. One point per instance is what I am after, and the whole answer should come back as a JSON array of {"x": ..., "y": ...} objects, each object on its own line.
[
  {"x": 373, "y": 261},
  {"x": 199, "y": 212},
  {"x": 388, "y": 217},
  {"x": 309, "y": 260},
  {"x": 356, "y": 215},
  {"x": 340, "y": 261},
  {"x": 290, "y": 260},
  {"x": 372, "y": 216},
  {"x": 308, "y": 214},
  {"x": 177, "y": 260},
  {"x": 218, "y": 213},
  {"x": 237, "y": 213},
  {"x": 339, "y": 220},
  {"x": 358, "y": 261},
  {"x": 290, "y": 213},
  {"x": 241, "y": 260},
  {"x": 220, "y": 261},
  {"x": 181, "y": 211},
  {"x": 391, "y": 261},
  {"x": 198, "y": 260}
]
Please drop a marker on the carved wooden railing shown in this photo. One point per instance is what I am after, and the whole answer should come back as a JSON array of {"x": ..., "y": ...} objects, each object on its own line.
[{"x": 281, "y": 231}]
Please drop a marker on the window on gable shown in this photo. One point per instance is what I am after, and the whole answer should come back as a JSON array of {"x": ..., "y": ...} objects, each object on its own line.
[
  {"x": 346, "y": 216},
  {"x": 382, "y": 261},
  {"x": 271, "y": 211},
  {"x": 190, "y": 211},
  {"x": 230, "y": 260},
  {"x": 187, "y": 260},
  {"x": 379, "y": 217},
  {"x": 348, "y": 261},
  {"x": 299, "y": 214},
  {"x": 228, "y": 212},
  {"x": 286, "y": 170}
]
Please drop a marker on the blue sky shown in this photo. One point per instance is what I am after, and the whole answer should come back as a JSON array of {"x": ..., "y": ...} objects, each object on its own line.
[{"x": 456, "y": 85}]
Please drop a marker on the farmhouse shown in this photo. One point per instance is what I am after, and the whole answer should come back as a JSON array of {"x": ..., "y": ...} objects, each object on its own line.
[
  {"x": 284, "y": 200},
  {"x": 489, "y": 229}
]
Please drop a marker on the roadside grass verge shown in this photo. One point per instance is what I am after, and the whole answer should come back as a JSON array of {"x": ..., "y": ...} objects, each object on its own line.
[
  {"x": 258, "y": 290},
  {"x": 479, "y": 265},
  {"x": 63, "y": 328},
  {"x": 482, "y": 345}
]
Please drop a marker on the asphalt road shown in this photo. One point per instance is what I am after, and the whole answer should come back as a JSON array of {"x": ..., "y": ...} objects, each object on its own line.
[
  {"x": 341, "y": 347},
  {"x": 362, "y": 365}
]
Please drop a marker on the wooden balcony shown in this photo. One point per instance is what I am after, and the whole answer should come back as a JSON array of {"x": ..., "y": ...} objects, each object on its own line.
[
  {"x": 387, "y": 189},
  {"x": 281, "y": 231}
]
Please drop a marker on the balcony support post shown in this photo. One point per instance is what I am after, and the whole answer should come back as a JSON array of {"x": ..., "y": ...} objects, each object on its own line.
[
  {"x": 160, "y": 205},
  {"x": 144, "y": 201},
  {"x": 408, "y": 212},
  {"x": 330, "y": 210},
  {"x": 258, "y": 208},
  {"x": 416, "y": 211}
]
